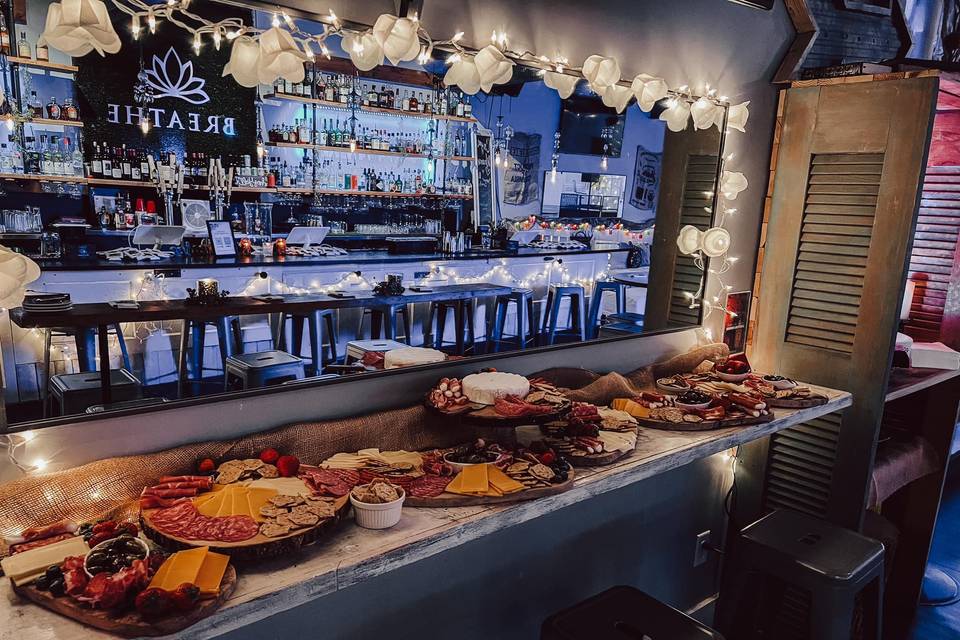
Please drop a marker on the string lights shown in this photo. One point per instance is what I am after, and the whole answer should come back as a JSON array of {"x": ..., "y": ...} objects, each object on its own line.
[{"x": 13, "y": 443}]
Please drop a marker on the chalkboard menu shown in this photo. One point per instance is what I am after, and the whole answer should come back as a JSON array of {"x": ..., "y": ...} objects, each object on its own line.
[
  {"x": 193, "y": 109},
  {"x": 483, "y": 194}
]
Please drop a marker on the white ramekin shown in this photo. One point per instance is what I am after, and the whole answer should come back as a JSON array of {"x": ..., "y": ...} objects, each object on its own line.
[{"x": 378, "y": 516}]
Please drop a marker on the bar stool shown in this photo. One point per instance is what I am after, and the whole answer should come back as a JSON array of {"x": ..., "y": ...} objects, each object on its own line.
[
  {"x": 620, "y": 613},
  {"x": 194, "y": 331},
  {"x": 596, "y": 300},
  {"x": 262, "y": 369},
  {"x": 808, "y": 560},
  {"x": 555, "y": 295},
  {"x": 85, "y": 339},
  {"x": 626, "y": 318},
  {"x": 383, "y": 321},
  {"x": 526, "y": 326},
  {"x": 314, "y": 320},
  {"x": 464, "y": 331},
  {"x": 75, "y": 392}
]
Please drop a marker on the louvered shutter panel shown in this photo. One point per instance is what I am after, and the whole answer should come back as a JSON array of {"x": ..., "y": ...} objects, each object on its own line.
[
  {"x": 934, "y": 255},
  {"x": 835, "y": 233},
  {"x": 697, "y": 211},
  {"x": 800, "y": 466}
]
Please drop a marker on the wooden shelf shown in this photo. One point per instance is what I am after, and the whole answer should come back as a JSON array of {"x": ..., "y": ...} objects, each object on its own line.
[
  {"x": 110, "y": 182},
  {"x": 391, "y": 194},
  {"x": 62, "y": 123},
  {"x": 54, "y": 66},
  {"x": 41, "y": 178},
  {"x": 293, "y": 145},
  {"x": 367, "y": 109}
]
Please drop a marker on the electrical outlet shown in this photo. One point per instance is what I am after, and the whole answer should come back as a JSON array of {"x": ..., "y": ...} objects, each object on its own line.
[{"x": 702, "y": 552}]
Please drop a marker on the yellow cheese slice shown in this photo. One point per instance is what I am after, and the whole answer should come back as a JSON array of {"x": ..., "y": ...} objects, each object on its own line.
[
  {"x": 257, "y": 498},
  {"x": 283, "y": 486},
  {"x": 226, "y": 506},
  {"x": 185, "y": 567},
  {"x": 211, "y": 573},
  {"x": 160, "y": 577},
  {"x": 456, "y": 485},
  {"x": 502, "y": 482},
  {"x": 475, "y": 479},
  {"x": 239, "y": 506},
  {"x": 26, "y": 566},
  {"x": 635, "y": 409},
  {"x": 210, "y": 507},
  {"x": 203, "y": 498}
]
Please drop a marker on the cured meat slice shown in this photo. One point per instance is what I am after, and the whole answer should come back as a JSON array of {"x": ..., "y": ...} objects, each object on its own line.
[
  {"x": 42, "y": 542},
  {"x": 170, "y": 493},
  {"x": 188, "y": 484},
  {"x": 167, "y": 479},
  {"x": 428, "y": 486},
  {"x": 184, "y": 521},
  {"x": 156, "y": 502}
]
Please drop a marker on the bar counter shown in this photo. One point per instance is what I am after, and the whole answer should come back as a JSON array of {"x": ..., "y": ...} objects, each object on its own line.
[
  {"x": 354, "y": 257},
  {"x": 354, "y": 555}
]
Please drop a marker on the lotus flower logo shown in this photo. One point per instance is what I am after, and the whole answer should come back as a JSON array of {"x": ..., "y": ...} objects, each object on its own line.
[{"x": 173, "y": 79}]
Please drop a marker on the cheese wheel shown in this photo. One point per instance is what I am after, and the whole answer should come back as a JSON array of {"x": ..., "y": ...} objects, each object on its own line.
[
  {"x": 485, "y": 388},
  {"x": 411, "y": 356}
]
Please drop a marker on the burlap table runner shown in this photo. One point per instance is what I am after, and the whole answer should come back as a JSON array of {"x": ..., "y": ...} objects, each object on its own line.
[{"x": 109, "y": 488}]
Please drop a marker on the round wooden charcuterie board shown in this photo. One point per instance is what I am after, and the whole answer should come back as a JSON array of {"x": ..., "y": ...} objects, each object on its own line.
[
  {"x": 805, "y": 402},
  {"x": 446, "y": 499},
  {"x": 129, "y": 623},
  {"x": 256, "y": 548},
  {"x": 706, "y": 425},
  {"x": 486, "y": 415}
]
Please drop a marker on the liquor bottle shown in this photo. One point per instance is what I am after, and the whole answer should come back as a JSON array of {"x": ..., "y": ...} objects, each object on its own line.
[
  {"x": 106, "y": 220},
  {"x": 76, "y": 157},
  {"x": 106, "y": 162},
  {"x": 346, "y": 88},
  {"x": 382, "y": 98},
  {"x": 412, "y": 103},
  {"x": 404, "y": 101},
  {"x": 23, "y": 47},
  {"x": 144, "y": 166},
  {"x": 34, "y": 107},
  {"x": 135, "y": 172},
  {"x": 43, "y": 53},
  {"x": 373, "y": 98},
  {"x": 330, "y": 91},
  {"x": 445, "y": 102},
  {"x": 56, "y": 154},
  {"x": 53, "y": 109},
  {"x": 116, "y": 165},
  {"x": 460, "y": 108},
  {"x": 319, "y": 86},
  {"x": 4, "y": 36},
  {"x": 96, "y": 162},
  {"x": 467, "y": 108},
  {"x": 303, "y": 134},
  {"x": 391, "y": 99},
  {"x": 69, "y": 111},
  {"x": 126, "y": 167}
]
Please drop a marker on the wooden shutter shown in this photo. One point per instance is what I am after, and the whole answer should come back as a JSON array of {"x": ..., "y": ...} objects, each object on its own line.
[
  {"x": 688, "y": 180},
  {"x": 934, "y": 262},
  {"x": 844, "y": 202}
]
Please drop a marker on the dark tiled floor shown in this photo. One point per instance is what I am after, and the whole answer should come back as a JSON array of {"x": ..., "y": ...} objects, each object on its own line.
[{"x": 941, "y": 623}]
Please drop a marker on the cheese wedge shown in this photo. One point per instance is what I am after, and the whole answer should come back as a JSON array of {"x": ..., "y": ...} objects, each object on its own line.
[
  {"x": 211, "y": 574},
  {"x": 475, "y": 479},
  {"x": 27, "y": 566},
  {"x": 257, "y": 498},
  {"x": 635, "y": 409},
  {"x": 502, "y": 482},
  {"x": 160, "y": 577},
  {"x": 184, "y": 567},
  {"x": 239, "y": 506},
  {"x": 210, "y": 507}
]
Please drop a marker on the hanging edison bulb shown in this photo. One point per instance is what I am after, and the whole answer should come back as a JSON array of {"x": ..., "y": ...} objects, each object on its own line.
[{"x": 145, "y": 125}]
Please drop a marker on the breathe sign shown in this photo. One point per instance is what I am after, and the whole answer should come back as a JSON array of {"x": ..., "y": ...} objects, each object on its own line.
[{"x": 192, "y": 108}]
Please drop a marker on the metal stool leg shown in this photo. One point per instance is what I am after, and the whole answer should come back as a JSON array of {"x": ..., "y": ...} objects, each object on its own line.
[
  {"x": 499, "y": 320},
  {"x": 225, "y": 338},
  {"x": 316, "y": 342},
  {"x": 531, "y": 321},
  {"x": 458, "y": 326},
  {"x": 407, "y": 331},
  {"x": 376, "y": 324},
  {"x": 441, "y": 326},
  {"x": 296, "y": 345},
  {"x": 595, "y": 303},
  {"x": 86, "y": 340},
  {"x": 332, "y": 336},
  {"x": 470, "y": 309},
  {"x": 182, "y": 357},
  {"x": 199, "y": 338},
  {"x": 550, "y": 322},
  {"x": 521, "y": 325},
  {"x": 121, "y": 341},
  {"x": 45, "y": 398},
  {"x": 578, "y": 316}
]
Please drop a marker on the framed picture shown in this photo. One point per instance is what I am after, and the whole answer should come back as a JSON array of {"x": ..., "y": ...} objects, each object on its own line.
[
  {"x": 221, "y": 238},
  {"x": 736, "y": 321}
]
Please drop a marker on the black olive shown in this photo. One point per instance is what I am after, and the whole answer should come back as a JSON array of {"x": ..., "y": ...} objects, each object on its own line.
[
  {"x": 42, "y": 583},
  {"x": 54, "y": 571},
  {"x": 58, "y": 587},
  {"x": 131, "y": 546}
]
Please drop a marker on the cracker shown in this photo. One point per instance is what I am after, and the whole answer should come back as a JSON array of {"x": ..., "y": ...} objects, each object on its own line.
[
  {"x": 541, "y": 472},
  {"x": 268, "y": 471},
  {"x": 273, "y": 530},
  {"x": 252, "y": 464},
  {"x": 229, "y": 475},
  {"x": 304, "y": 519},
  {"x": 283, "y": 500},
  {"x": 271, "y": 511}
]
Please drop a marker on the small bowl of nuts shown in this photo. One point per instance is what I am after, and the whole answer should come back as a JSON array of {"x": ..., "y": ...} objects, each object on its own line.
[
  {"x": 377, "y": 505},
  {"x": 448, "y": 397}
]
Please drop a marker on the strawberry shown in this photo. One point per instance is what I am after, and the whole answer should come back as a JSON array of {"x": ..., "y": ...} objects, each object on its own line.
[
  {"x": 288, "y": 466},
  {"x": 547, "y": 457},
  {"x": 207, "y": 465},
  {"x": 185, "y": 596},
  {"x": 269, "y": 456}
]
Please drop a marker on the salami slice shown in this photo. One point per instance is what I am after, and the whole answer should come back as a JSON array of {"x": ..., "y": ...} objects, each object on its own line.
[
  {"x": 167, "y": 479},
  {"x": 170, "y": 493},
  {"x": 428, "y": 486},
  {"x": 184, "y": 521}
]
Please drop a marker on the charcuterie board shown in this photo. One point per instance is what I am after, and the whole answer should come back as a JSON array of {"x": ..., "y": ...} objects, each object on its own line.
[
  {"x": 447, "y": 499},
  {"x": 705, "y": 425},
  {"x": 597, "y": 459},
  {"x": 256, "y": 548},
  {"x": 129, "y": 623},
  {"x": 541, "y": 402}
]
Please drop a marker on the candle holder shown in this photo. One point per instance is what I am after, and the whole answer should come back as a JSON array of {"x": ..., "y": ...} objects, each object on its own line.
[
  {"x": 392, "y": 286},
  {"x": 280, "y": 247},
  {"x": 245, "y": 247},
  {"x": 208, "y": 287},
  {"x": 207, "y": 293}
]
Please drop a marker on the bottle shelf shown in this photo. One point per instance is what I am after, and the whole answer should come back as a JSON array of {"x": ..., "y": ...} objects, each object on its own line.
[
  {"x": 41, "y": 177},
  {"x": 48, "y": 121},
  {"x": 369, "y": 152},
  {"x": 108, "y": 182},
  {"x": 365, "y": 108},
  {"x": 42, "y": 64}
]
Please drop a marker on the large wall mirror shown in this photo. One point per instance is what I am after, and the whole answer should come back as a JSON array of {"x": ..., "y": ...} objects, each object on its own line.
[{"x": 568, "y": 207}]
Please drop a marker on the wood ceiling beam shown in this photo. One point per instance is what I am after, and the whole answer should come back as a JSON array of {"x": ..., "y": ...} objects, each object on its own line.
[{"x": 807, "y": 31}]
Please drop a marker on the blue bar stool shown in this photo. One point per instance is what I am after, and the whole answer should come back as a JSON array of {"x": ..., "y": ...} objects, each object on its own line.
[
  {"x": 787, "y": 559},
  {"x": 383, "y": 321},
  {"x": 194, "y": 331},
  {"x": 555, "y": 295},
  {"x": 526, "y": 326},
  {"x": 262, "y": 369},
  {"x": 464, "y": 332},
  {"x": 85, "y": 339},
  {"x": 315, "y": 321},
  {"x": 74, "y": 393},
  {"x": 596, "y": 300}
]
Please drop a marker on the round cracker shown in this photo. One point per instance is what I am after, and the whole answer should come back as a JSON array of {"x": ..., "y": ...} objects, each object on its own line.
[
  {"x": 282, "y": 500},
  {"x": 274, "y": 530},
  {"x": 304, "y": 519},
  {"x": 268, "y": 471}
]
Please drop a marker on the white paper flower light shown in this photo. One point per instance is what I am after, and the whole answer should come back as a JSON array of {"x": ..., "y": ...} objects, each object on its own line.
[
  {"x": 397, "y": 38},
  {"x": 617, "y": 97},
  {"x": 688, "y": 240},
  {"x": 705, "y": 113},
  {"x": 732, "y": 183},
  {"x": 280, "y": 57},
  {"x": 649, "y": 90},
  {"x": 561, "y": 82},
  {"x": 601, "y": 72},
  {"x": 244, "y": 61},
  {"x": 364, "y": 50},
  {"x": 676, "y": 115},
  {"x": 16, "y": 272},
  {"x": 463, "y": 73},
  {"x": 493, "y": 66},
  {"x": 738, "y": 115},
  {"x": 715, "y": 242},
  {"x": 77, "y": 27}
]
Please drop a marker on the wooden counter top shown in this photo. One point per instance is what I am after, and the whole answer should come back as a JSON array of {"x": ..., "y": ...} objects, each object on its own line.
[{"x": 354, "y": 554}]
